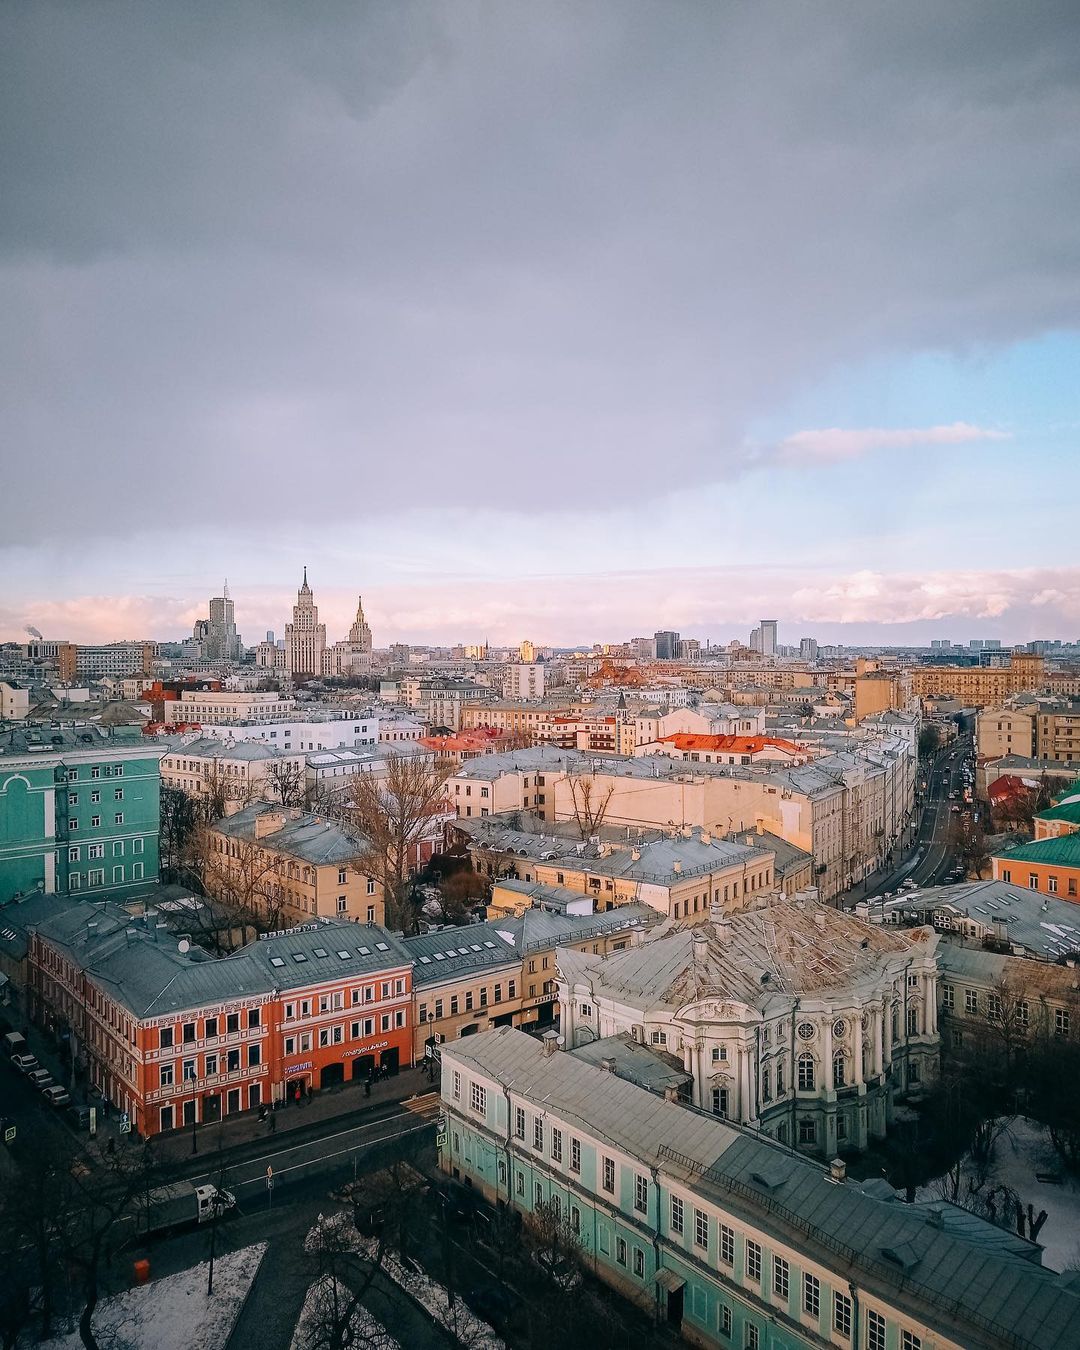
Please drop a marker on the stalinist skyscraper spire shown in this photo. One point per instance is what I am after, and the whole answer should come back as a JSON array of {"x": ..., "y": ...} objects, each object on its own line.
[
  {"x": 305, "y": 637},
  {"x": 360, "y": 632}
]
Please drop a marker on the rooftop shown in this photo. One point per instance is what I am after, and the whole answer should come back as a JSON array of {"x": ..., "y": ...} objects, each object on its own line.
[
  {"x": 209, "y": 747},
  {"x": 1045, "y": 927},
  {"x": 301, "y": 834},
  {"x": 654, "y": 1070},
  {"x": 45, "y": 739},
  {"x": 1061, "y": 851},
  {"x": 143, "y": 967},
  {"x": 787, "y": 950}
]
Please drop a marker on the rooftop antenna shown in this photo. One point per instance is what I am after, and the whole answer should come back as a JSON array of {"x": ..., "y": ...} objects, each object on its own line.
[{"x": 226, "y": 589}]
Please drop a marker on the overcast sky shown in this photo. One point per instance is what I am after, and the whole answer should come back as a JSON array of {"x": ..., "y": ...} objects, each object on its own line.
[{"x": 562, "y": 321}]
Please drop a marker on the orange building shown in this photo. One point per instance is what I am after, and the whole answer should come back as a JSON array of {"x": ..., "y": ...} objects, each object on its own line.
[
  {"x": 1051, "y": 866},
  {"x": 169, "y": 1039}
]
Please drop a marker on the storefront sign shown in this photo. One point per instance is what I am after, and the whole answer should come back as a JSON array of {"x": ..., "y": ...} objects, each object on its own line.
[
  {"x": 366, "y": 1049},
  {"x": 298, "y": 1068}
]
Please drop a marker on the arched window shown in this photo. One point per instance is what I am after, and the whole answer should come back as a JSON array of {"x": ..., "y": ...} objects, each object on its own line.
[
  {"x": 838, "y": 1073},
  {"x": 807, "y": 1077}
]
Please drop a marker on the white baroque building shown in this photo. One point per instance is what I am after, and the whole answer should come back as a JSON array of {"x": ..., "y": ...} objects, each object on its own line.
[{"x": 794, "y": 1018}]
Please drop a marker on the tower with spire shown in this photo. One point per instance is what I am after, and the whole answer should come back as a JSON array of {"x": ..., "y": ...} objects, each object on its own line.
[
  {"x": 305, "y": 637},
  {"x": 360, "y": 632}
]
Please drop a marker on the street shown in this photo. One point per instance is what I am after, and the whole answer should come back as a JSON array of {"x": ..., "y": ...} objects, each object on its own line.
[{"x": 930, "y": 857}]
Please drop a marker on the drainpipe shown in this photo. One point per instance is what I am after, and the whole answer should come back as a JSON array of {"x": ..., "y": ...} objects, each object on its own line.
[
  {"x": 793, "y": 1085},
  {"x": 656, "y": 1243},
  {"x": 506, "y": 1148},
  {"x": 854, "y": 1317}
]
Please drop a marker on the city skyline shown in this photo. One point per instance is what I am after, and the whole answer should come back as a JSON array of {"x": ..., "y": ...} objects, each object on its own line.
[{"x": 749, "y": 313}]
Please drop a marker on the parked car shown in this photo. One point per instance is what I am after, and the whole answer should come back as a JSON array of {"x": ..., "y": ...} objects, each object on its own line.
[
  {"x": 41, "y": 1078},
  {"x": 56, "y": 1095},
  {"x": 491, "y": 1302},
  {"x": 908, "y": 884},
  {"x": 25, "y": 1063},
  {"x": 79, "y": 1116}
]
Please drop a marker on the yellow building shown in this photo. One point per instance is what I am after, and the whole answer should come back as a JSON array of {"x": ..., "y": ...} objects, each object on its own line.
[
  {"x": 980, "y": 686},
  {"x": 291, "y": 866}
]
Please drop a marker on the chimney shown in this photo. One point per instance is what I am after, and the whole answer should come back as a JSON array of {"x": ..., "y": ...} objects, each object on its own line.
[
  {"x": 716, "y": 912},
  {"x": 706, "y": 837},
  {"x": 635, "y": 855},
  {"x": 671, "y": 1094},
  {"x": 687, "y": 832},
  {"x": 760, "y": 825},
  {"x": 700, "y": 945},
  {"x": 608, "y": 1065},
  {"x": 819, "y": 920},
  {"x": 935, "y": 1217},
  {"x": 838, "y": 1169},
  {"x": 676, "y": 866},
  {"x": 269, "y": 822},
  {"x": 722, "y": 927},
  {"x": 551, "y": 1042}
]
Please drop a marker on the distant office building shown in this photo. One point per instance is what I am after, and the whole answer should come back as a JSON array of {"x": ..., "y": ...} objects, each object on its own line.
[
  {"x": 808, "y": 649},
  {"x": 940, "y": 644},
  {"x": 768, "y": 637},
  {"x": 217, "y": 636},
  {"x": 668, "y": 645}
]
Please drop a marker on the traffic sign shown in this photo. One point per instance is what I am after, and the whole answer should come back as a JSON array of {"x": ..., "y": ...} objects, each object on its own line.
[
  {"x": 269, "y": 1183},
  {"x": 125, "y": 1123},
  {"x": 9, "y": 1132}
]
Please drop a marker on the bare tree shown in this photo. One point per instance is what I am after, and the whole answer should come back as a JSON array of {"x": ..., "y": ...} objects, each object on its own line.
[
  {"x": 179, "y": 816},
  {"x": 286, "y": 783},
  {"x": 390, "y": 814},
  {"x": 590, "y": 802},
  {"x": 241, "y": 877},
  {"x": 968, "y": 839}
]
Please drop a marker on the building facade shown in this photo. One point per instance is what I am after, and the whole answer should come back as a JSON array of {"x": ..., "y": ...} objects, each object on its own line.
[
  {"x": 723, "y": 1236},
  {"x": 79, "y": 810},
  {"x": 795, "y": 1019},
  {"x": 305, "y": 637},
  {"x": 175, "y": 1042}
]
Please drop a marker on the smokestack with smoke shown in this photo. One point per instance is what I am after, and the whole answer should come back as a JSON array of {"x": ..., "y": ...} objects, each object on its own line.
[{"x": 34, "y": 633}]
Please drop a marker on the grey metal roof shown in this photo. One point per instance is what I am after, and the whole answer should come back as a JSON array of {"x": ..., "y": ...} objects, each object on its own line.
[
  {"x": 1042, "y": 925},
  {"x": 449, "y": 953},
  {"x": 302, "y": 835},
  {"x": 982, "y": 1293},
  {"x": 647, "y": 1068},
  {"x": 144, "y": 969}
]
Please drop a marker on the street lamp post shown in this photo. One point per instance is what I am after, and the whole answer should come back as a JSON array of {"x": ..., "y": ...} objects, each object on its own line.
[{"x": 194, "y": 1110}]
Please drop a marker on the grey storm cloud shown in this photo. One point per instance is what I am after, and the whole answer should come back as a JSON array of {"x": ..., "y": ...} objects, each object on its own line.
[{"x": 320, "y": 257}]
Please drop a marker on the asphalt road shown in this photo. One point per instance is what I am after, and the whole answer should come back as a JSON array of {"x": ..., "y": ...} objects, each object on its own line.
[{"x": 931, "y": 856}]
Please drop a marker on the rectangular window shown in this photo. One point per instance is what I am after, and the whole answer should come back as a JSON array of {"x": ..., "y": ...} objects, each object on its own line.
[
  {"x": 119, "y": 817},
  {"x": 753, "y": 1337},
  {"x": 641, "y": 1194},
  {"x": 971, "y": 1000},
  {"x": 780, "y": 1277},
  {"x": 727, "y": 1245},
  {"x": 725, "y": 1320},
  {"x": 875, "y": 1330},
  {"x": 948, "y": 997},
  {"x": 519, "y": 1123},
  {"x": 556, "y": 1145},
  {"x": 575, "y": 1155},
  {"x": 538, "y": 1134},
  {"x": 811, "y": 1295},
  {"x": 455, "y": 1086},
  {"x": 909, "y": 1341},
  {"x": 701, "y": 1229},
  {"x": 841, "y": 1314},
  {"x": 639, "y": 1263},
  {"x": 753, "y": 1261},
  {"x": 166, "y": 1075},
  {"x": 538, "y": 1194},
  {"x": 1061, "y": 1021},
  {"x": 255, "y": 1054},
  {"x": 676, "y": 1214},
  {"x": 620, "y": 1251},
  {"x": 519, "y": 1183},
  {"x": 609, "y": 1175},
  {"x": 478, "y": 1099}
]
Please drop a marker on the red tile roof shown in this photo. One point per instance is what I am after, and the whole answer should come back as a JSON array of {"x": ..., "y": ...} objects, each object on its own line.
[{"x": 737, "y": 745}]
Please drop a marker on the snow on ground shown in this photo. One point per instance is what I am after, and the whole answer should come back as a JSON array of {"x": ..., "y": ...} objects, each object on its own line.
[
  {"x": 1023, "y": 1149},
  {"x": 311, "y": 1325},
  {"x": 174, "y": 1313},
  {"x": 459, "y": 1320}
]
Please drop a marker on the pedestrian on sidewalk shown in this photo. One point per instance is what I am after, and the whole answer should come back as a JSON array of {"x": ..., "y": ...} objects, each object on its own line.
[{"x": 273, "y": 1123}]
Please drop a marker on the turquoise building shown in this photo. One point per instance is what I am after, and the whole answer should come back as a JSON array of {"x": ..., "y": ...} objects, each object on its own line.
[
  {"x": 726, "y": 1236},
  {"x": 79, "y": 811}
]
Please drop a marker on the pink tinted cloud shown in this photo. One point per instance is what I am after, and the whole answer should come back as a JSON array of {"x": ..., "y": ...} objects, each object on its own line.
[
  {"x": 602, "y": 606},
  {"x": 833, "y": 444}
]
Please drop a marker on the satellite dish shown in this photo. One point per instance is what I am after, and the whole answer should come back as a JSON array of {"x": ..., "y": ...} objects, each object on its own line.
[
  {"x": 183, "y": 945},
  {"x": 561, "y": 1042}
]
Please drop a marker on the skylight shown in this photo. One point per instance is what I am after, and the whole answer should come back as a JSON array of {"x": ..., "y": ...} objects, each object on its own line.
[
  {"x": 276, "y": 961},
  {"x": 381, "y": 946},
  {"x": 364, "y": 951},
  {"x": 299, "y": 956},
  {"x": 321, "y": 951},
  {"x": 345, "y": 956}
]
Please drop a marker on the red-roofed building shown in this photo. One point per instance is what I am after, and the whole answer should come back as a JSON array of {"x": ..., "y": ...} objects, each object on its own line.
[
  {"x": 463, "y": 745},
  {"x": 701, "y": 749}
]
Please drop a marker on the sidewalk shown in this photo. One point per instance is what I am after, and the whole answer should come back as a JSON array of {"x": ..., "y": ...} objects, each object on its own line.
[{"x": 346, "y": 1102}]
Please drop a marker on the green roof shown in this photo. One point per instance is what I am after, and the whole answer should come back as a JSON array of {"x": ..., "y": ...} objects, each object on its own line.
[
  {"x": 1068, "y": 810},
  {"x": 1061, "y": 852}
]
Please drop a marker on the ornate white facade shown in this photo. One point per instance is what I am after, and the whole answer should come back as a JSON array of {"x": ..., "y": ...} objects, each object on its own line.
[
  {"x": 797, "y": 1019},
  {"x": 305, "y": 637}
]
